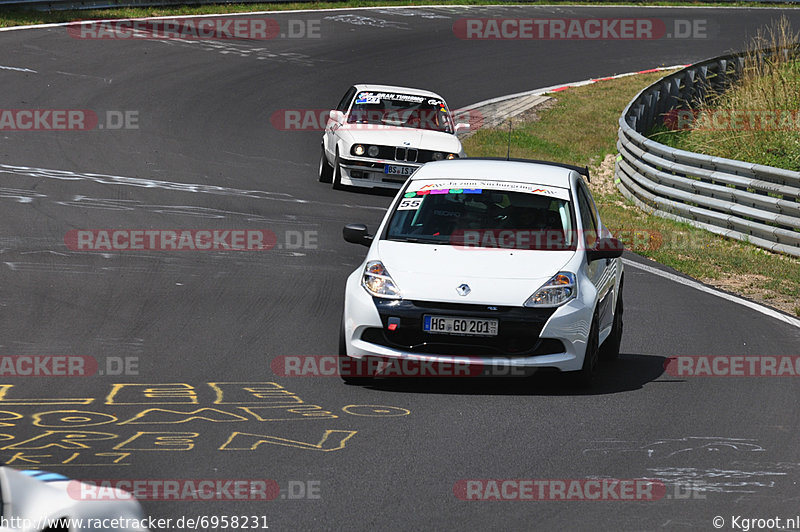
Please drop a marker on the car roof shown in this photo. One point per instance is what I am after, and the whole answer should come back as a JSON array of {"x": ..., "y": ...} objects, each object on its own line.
[
  {"x": 520, "y": 171},
  {"x": 394, "y": 88}
]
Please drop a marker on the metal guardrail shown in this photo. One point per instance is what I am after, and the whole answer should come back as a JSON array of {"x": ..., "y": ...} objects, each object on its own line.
[{"x": 746, "y": 201}]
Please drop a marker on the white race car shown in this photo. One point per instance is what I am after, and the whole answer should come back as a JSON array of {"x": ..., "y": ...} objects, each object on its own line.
[
  {"x": 379, "y": 134},
  {"x": 39, "y": 500},
  {"x": 489, "y": 263}
]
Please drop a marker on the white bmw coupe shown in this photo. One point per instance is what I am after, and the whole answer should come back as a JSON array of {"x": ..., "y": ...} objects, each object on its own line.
[{"x": 378, "y": 135}]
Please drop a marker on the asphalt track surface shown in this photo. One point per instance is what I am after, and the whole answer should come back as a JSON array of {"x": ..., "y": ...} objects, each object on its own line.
[{"x": 188, "y": 319}]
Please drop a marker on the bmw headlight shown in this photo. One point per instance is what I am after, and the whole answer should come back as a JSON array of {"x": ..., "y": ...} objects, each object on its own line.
[
  {"x": 561, "y": 288},
  {"x": 378, "y": 282},
  {"x": 452, "y": 156},
  {"x": 358, "y": 149},
  {"x": 373, "y": 151}
]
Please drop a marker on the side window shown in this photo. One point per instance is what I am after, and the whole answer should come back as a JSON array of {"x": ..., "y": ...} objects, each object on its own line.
[
  {"x": 588, "y": 218},
  {"x": 348, "y": 97}
]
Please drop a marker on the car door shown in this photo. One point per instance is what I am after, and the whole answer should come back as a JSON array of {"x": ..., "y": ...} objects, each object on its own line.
[
  {"x": 601, "y": 272},
  {"x": 331, "y": 127}
]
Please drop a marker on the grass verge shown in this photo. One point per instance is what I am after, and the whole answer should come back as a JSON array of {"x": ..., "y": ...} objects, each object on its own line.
[
  {"x": 754, "y": 120},
  {"x": 12, "y": 16},
  {"x": 579, "y": 126}
]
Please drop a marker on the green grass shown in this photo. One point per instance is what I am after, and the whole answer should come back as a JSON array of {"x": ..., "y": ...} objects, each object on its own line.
[
  {"x": 10, "y": 16},
  {"x": 766, "y": 100},
  {"x": 759, "y": 102},
  {"x": 581, "y": 128}
]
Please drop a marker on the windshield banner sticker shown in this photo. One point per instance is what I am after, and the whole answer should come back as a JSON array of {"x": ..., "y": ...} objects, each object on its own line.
[
  {"x": 371, "y": 97},
  {"x": 461, "y": 186}
]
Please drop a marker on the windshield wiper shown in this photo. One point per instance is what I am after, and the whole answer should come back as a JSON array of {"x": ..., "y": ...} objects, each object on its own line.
[{"x": 415, "y": 240}]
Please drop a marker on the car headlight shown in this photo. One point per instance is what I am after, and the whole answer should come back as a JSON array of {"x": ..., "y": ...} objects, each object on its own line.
[
  {"x": 452, "y": 156},
  {"x": 377, "y": 281},
  {"x": 438, "y": 156},
  {"x": 555, "y": 292},
  {"x": 358, "y": 149},
  {"x": 373, "y": 151}
]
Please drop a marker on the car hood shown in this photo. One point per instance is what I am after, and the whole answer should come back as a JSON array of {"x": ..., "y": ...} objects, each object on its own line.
[
  {"x": 430, "y": 272},
  {"x": 36, "y": 495},
  {"x": 396, "y": 136}
]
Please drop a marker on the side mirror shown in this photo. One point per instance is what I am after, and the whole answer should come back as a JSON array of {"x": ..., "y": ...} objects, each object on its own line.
[
  {"x": 357, "y": 234},
  {"x": 336, "y": 116},
  {"x": 605, "y": 248},
  {"x": 462, "y": 125}
]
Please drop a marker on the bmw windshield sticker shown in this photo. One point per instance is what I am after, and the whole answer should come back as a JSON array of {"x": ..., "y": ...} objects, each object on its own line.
[
  {"x": 461, "y": 186},
  {"x": 371, "y": 97},
  {"x": 367, "y": 98}
]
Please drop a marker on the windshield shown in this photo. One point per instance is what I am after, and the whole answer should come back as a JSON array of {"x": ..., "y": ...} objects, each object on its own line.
[
  {"x": 486, "y": 214},
  {"x": 400, "y": 110}
]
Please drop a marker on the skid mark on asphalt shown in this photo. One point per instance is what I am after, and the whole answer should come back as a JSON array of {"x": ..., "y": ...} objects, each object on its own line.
[
  {"x": 668, "y": 447},
  {"x": 107, "y": 179},
  {"x": 80, "y": 269},
  {"x": 360, "y": 20},
  {"x": 20, "y": 195},
  {"x": 114, "y": 204},
  {"x": 243, "y": 50},
  {"x": 431, "y": 14},
  {"x": 17, "y": 69},
  {"x": 745, "y": 477},
  {"x": 717, "y": 480}
]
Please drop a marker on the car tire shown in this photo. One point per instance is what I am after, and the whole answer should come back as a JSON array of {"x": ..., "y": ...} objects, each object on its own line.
[
  {"x": 346, "y": 363},
  {"x": 587, "y": 375},
  {"x": 610, "y": 348},
  {"x": 337, "y": 172},
  {"x": 325, "y": 170}
]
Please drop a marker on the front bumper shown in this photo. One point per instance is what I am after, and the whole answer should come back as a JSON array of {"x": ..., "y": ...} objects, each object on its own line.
[
  {"x": 527, "y": 337},
  {"x": 368, "y": 172}
]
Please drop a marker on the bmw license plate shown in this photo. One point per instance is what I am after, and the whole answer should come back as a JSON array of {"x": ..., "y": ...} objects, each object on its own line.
[
  {"x": 393, "y": 169},
  {"x": 463, "y": 326}
]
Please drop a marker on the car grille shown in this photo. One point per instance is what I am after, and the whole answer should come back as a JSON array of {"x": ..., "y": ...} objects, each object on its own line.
[
  {"x": 403, "y": 154},
  {"x": 518, "y": 330}
]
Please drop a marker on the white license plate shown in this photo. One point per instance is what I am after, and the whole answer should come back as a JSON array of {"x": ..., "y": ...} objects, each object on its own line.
[
  {"x": 465, "y": 326},
  {"x": 393, "y": 169}
]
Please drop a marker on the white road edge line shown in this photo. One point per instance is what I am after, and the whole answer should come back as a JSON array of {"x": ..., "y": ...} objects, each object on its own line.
[{"x": 772, "y": 313}]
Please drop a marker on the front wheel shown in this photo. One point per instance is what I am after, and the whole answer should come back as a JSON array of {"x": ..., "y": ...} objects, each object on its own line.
[
  {"x": 610, "y": 348},
  {"x": 586, "y": 376},
  {"x": 325, "y": 170},
  {"x": 337, "y": 172}
]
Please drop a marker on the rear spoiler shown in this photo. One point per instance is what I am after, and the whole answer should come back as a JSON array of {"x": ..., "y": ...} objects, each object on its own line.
[{"x": 582, "y": 170}]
